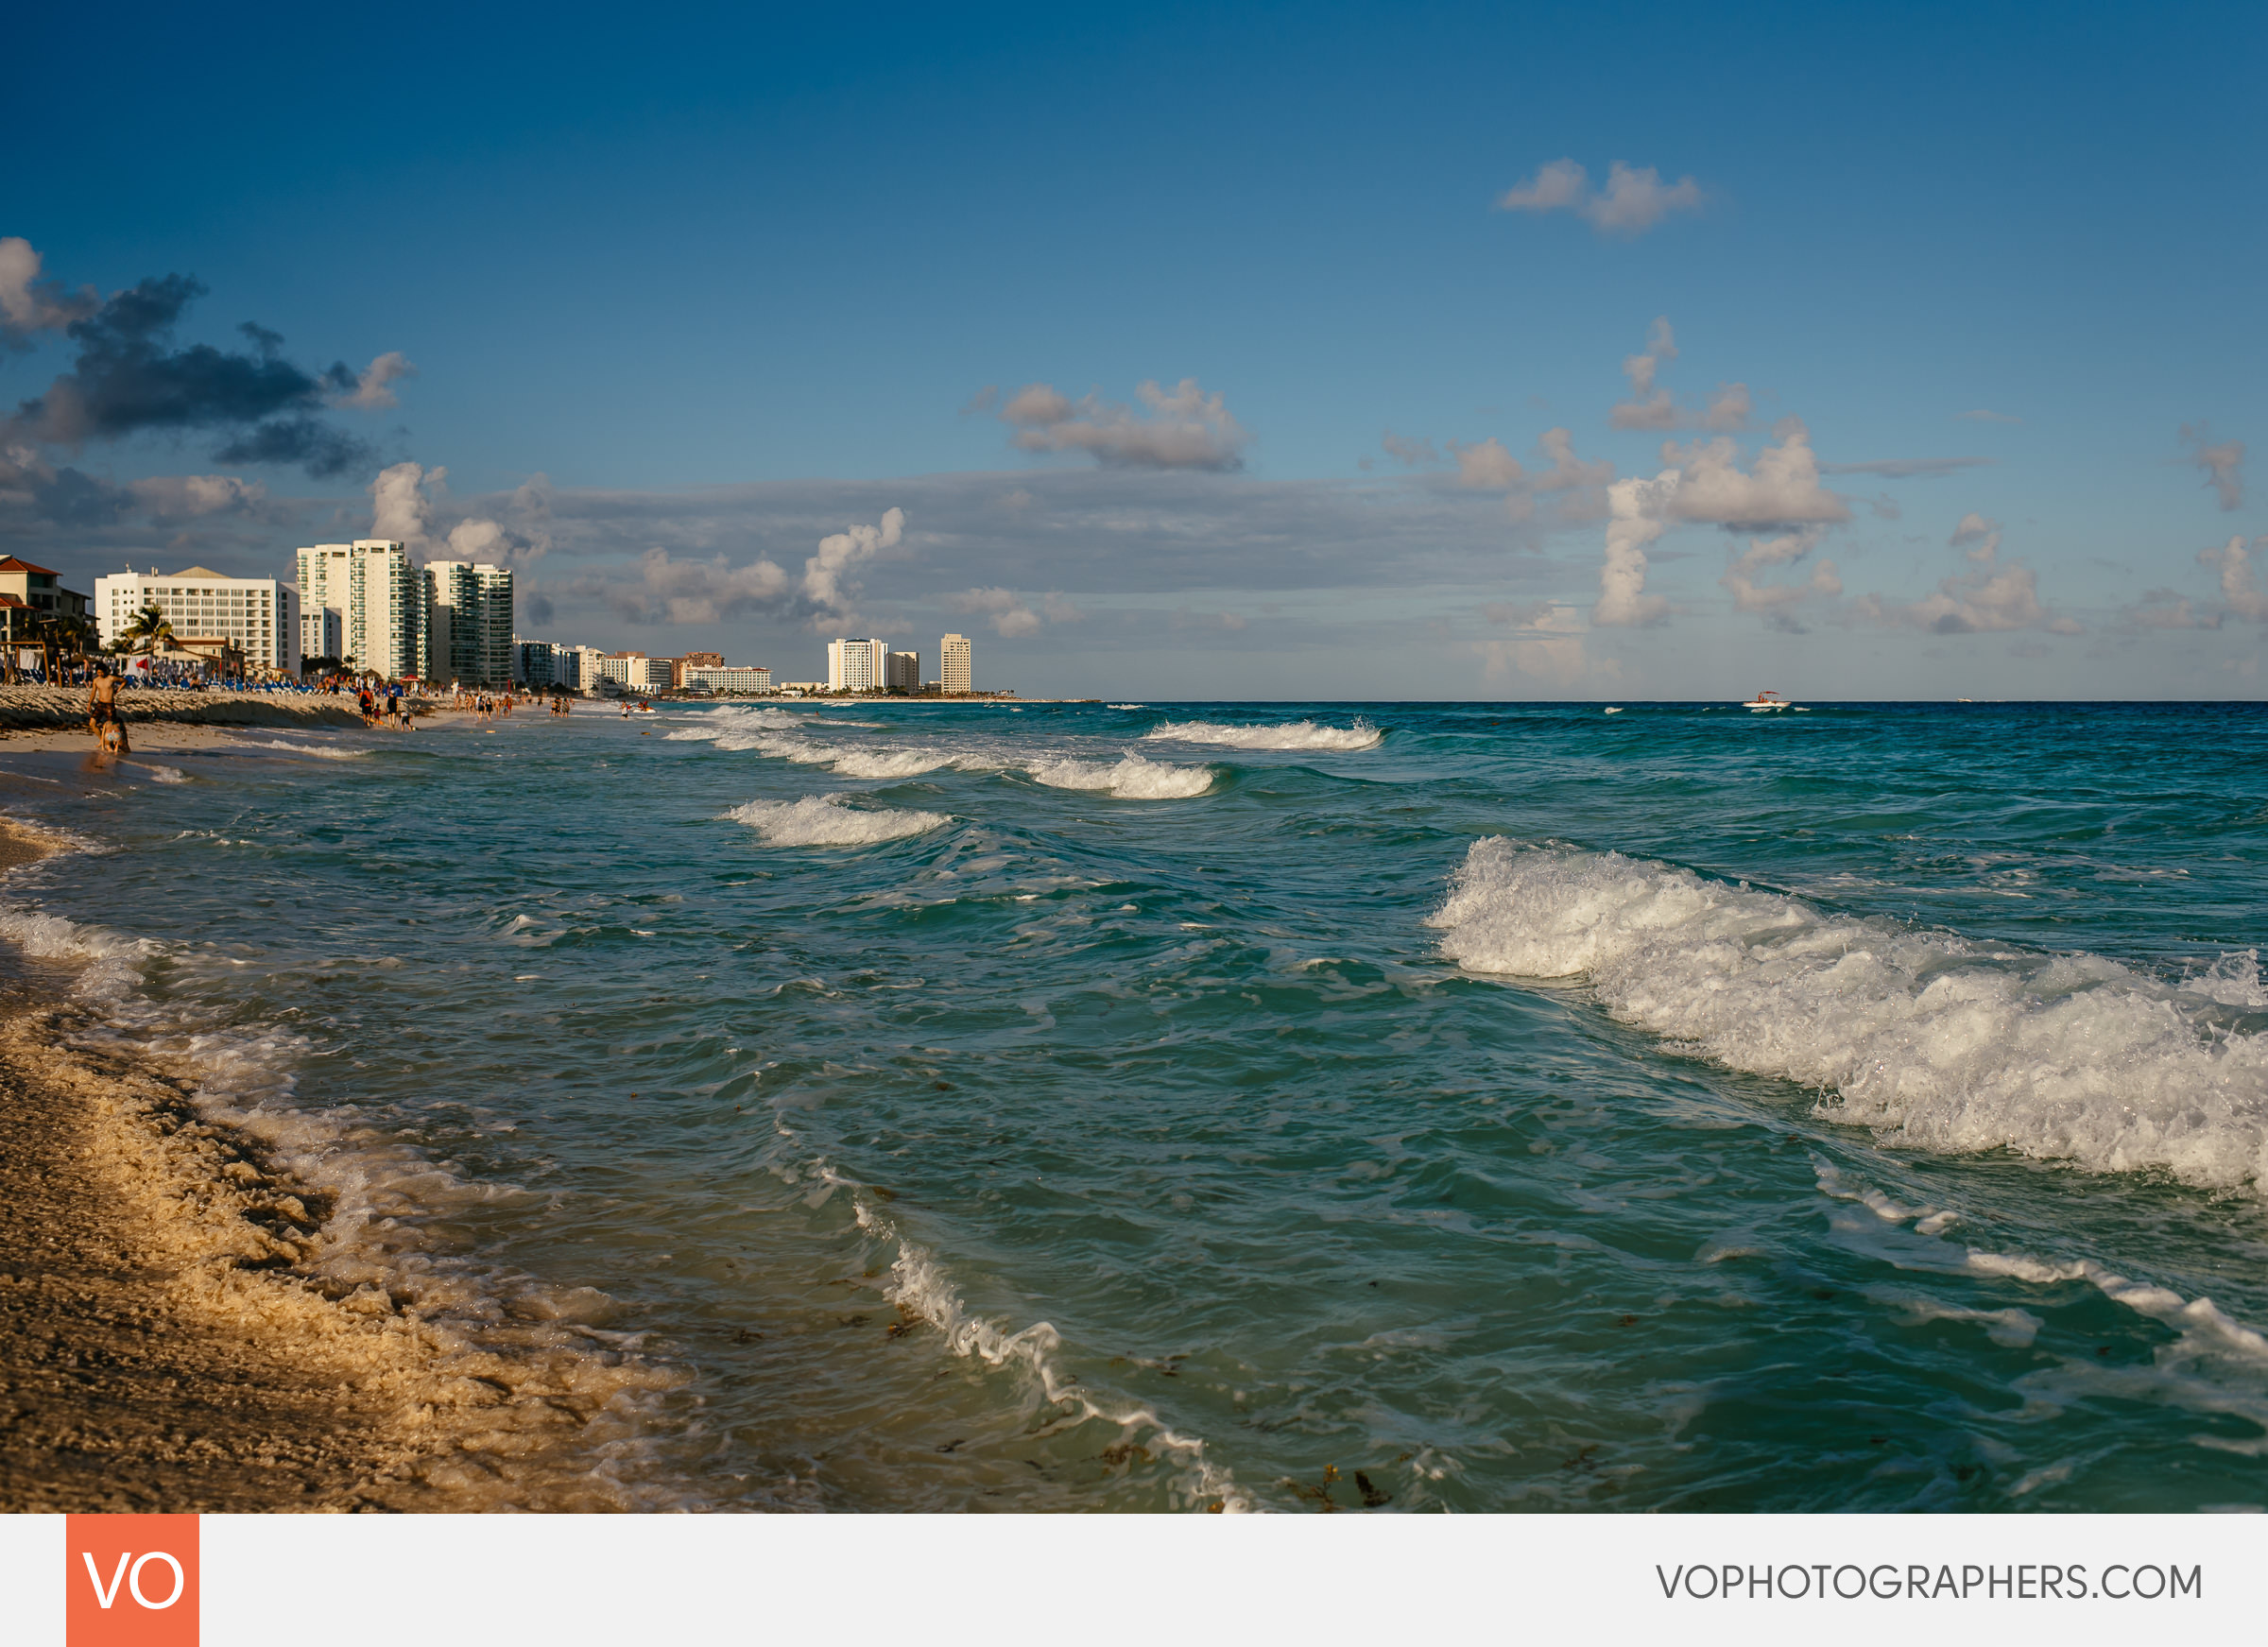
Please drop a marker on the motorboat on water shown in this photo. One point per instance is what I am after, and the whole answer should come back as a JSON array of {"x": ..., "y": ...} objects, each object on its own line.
[{"x": 1767, "y": 699}]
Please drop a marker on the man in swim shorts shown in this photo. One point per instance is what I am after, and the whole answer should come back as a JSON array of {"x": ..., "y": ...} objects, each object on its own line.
[{"x": 102, "y": 711}]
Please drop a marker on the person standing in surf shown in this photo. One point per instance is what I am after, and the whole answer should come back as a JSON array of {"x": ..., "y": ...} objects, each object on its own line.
[{"x": 102, "y": 712}]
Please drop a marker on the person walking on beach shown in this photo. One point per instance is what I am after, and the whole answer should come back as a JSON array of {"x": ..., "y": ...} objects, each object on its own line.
[{"x": 102, "y": 711}]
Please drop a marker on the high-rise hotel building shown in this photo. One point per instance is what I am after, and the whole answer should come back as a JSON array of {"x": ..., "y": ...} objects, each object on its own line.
[
  {"x": 858, "y": 666},
  {"x": 469, "y": 631},
  {"x": 952, "y": 664},
  {"x": 259, "y": 616},
  {"x": 380, "y": 601},
  {"x": 447, "y": 621}
]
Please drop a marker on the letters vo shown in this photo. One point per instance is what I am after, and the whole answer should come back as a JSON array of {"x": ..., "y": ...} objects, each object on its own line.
[{"x": 130, "y": 1581}]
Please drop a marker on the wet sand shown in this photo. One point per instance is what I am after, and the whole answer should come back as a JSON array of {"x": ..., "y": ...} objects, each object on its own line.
[{"x": 164, "y": 1343}]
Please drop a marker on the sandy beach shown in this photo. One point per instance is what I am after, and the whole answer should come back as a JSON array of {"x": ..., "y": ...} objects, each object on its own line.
[
  {"x": 55, "y": 717},
  {"x": 166, "y": 1343}
]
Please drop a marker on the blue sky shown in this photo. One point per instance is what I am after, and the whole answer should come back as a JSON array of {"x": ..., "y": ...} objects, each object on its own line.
[{"x": 688, "y": 295}]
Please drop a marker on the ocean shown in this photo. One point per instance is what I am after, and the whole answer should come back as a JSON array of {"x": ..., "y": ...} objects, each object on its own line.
[{"x": 1286, "y": 1107}]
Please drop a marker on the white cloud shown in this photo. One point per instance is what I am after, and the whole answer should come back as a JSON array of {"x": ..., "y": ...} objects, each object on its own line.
[
  {"x": 1992, "y": 598},
  {"x": 2163, "y": 609},
  {"x": 172, "y": 496},
  {"x": 28, "y": 304},
  {"x": 1651, "y": 405},
  {"x": 690, "y": 591},
  {"x": 1486, "y": 466},
  {"x": 1011, "y": 614},
  {"x": 1978, "y": 530},
  {"x": 1637, "y": 514},
  {"x": 1557, "y": 185},
  {"x": 1729, "y": 407},
  {"x": 401, "y": 506},
  {"x": 2224, "y": 465},
  {"x": 403, "y": 502},
  {"x": 1705, "y": 483},
  {"x": 1782, "y": 489},
  {"x": 2239, "y": 592},
  {"x": 1548, "y": 645},
  {"x": 828, "y": 585},
  {"x": 1772, "y": 599},
  {"x": 1569, "y": 472},
  {"x": 1409, "y": 453},
  {"x": 1648, "y": 407},
  {"x": 1185, "y": 428},
  {"x": 1634, "y": 201},
  {"x": 370, "y": 391}
]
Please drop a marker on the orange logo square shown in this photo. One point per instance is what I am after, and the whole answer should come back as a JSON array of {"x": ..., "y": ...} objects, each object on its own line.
[{"x": 129, "y": 1580}]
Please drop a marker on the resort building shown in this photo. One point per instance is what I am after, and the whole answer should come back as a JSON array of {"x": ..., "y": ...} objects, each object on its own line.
[
  {"x": 547, "y": 664},
  {"x": 470, "y": 637},
  {"x": 381, "y": 601},
  {"x": 632, "y": 671},
  {"x": 36, "y": 592},
  {"x": 857, "y": 665},
  {"x": 728, "y": 676},
  {"x": 954, "y": 674},
  {"x": 259, "y": 617},
  {"x": 904, "y": 672}
]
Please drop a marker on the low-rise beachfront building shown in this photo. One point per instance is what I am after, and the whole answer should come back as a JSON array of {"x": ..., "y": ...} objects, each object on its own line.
[
  {"x": 634, "y": 671},
  {"x": 721, "y": 677},
  {"x": 259, "y": 617},
  {"x": 954, "y": 674}
]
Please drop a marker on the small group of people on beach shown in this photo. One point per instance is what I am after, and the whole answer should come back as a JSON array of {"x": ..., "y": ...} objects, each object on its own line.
[{"x": 391, "y": 710}]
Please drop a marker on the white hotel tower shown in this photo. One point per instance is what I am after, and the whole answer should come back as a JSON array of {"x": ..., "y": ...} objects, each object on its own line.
[{"x": 858, "y": 666}]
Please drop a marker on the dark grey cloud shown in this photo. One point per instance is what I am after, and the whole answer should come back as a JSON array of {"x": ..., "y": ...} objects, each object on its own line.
[{"x": 128, "y": 377}]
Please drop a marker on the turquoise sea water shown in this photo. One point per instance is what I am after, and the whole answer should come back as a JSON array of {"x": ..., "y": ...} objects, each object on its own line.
[{"x": 1169, "y": 1106}]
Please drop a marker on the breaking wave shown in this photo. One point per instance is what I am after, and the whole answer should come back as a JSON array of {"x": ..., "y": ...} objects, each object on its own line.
[
  {"x": 1940, "y": 1042},
  {"x": 1290, "y": 735},
  {"x": 1134, "y": 777},
  {"x": 823, "y": 820},
  {"x": 921, "y": 1289},
  {"x": 321, "y": 751}
]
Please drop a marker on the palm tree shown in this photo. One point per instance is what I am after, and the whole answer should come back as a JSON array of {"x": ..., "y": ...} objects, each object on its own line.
[{"x": 148, "y": 627}]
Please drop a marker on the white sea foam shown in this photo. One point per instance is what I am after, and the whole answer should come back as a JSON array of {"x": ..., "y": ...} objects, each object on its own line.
[
  {"x": 823, "y": 820},
  {"x": 1133, "y": 777},
  {"x": 369, "y": 1253},
  {"x": 920, "y": 1287},
  {"x": 1947, "y": 1045},
  {"x": 888, "y": 762},
  {"x": 1126, "y": 706},
  {"x": 2214, "y": 1365},
  {"x": 321, "y": 751},
  {"x": 162, "y": 773},
  {"x": 1290, "y": 735}
]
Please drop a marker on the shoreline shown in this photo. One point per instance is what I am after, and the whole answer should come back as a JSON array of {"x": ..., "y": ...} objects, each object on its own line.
[
  {"x": 47, "y": 719},
  {"x": 168, "y": 1339}
]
